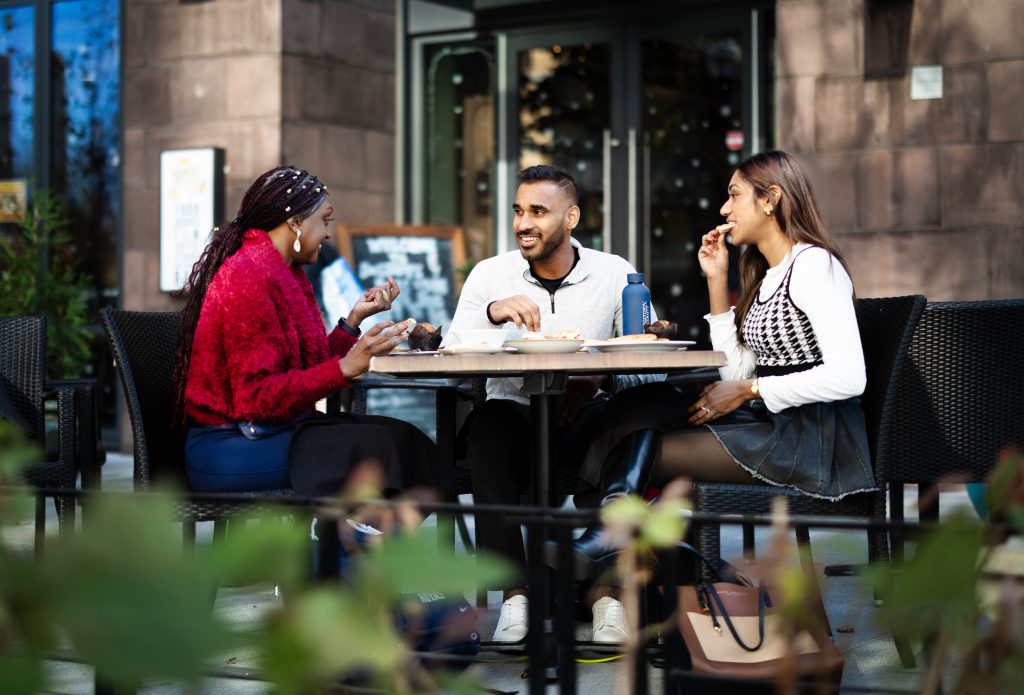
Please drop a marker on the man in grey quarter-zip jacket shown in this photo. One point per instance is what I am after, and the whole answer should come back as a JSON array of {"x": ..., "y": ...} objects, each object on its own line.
[{"x": 550, "y": 283}]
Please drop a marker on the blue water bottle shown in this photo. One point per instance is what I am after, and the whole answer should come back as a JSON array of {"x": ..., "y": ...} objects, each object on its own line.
[{"x": 636, "y": 304}]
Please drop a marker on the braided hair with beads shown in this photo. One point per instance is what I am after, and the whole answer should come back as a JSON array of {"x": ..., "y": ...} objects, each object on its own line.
[{"x": 274, "y": 197}]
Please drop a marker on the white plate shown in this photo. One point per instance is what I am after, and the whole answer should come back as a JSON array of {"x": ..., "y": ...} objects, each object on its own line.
[
  {"x": 641, "y": 345},
  {"x": 544, "y": 346},
  {"x": 394, "y": 353},
  {"x": 472, "y": 350}
]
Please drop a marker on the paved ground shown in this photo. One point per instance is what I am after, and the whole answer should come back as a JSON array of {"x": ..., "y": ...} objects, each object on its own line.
[{"x": 871, "y": 661}]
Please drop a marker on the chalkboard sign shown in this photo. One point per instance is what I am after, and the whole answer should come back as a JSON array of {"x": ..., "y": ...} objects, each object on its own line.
[{"x": 422, "y": 259}]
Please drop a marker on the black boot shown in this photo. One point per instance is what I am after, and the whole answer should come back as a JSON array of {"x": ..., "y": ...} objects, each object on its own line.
[{"x": 627, "y": 470}]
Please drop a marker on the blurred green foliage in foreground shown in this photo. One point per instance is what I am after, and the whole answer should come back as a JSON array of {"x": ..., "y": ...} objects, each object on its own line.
[
  {"x": 962, "y": 593},
  {"x": 124, "y": 595}
]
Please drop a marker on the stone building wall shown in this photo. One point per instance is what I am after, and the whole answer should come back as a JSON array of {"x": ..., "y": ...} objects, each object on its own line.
[
  {"x": 923, "y": 196},
  {"x": 338, "y": 101},
  {"x": 304, "y": 82}
]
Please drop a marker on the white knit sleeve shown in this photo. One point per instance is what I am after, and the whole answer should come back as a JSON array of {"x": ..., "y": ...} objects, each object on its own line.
[
  {"x": 740, "y": 361},
  {"x": 822, "y": 289}
]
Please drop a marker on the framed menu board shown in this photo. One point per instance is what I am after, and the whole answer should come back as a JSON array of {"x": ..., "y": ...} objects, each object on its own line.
[{"x": 191, "y": 203}]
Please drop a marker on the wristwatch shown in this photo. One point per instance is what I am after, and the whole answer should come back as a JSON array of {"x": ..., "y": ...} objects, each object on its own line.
[
  {"x": 753, "y": 388},
  {"x": 349, "y": 328}
]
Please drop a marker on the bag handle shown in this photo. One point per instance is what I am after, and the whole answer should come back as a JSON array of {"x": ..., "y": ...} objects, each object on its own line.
[
  {"x": 733, "y": 576},
  {"x": 713, "y": 600},
  {"x": 712, "y": 570}
]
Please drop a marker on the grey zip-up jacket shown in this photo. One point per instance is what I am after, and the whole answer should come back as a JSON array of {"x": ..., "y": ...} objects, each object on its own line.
[{"x": 589, "y": 299}]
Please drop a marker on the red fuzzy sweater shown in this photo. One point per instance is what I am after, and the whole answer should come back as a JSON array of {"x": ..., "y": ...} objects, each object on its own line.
[{"x": 260, "y": 351}]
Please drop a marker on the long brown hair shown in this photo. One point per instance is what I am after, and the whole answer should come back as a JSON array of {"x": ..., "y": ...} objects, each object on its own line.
[
  {"x": 274, "y": 197},
  {"x": 795, "y": 211}
]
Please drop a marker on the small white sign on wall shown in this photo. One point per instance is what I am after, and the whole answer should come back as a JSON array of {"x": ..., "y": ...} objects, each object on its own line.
[
  {"x": 926, "y": 82},
  {"x": 191, "y": 202}
]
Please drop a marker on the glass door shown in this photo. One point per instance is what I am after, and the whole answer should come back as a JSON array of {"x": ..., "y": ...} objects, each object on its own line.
[
  {"x": 691, "y": 103},
  {"x": 566, "y": 106},
  {"x": 651, "y": 121}
]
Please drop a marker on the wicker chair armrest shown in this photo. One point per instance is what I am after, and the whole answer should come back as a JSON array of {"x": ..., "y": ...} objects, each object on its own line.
[
  {"x": 465, "y": 389},
  {"x": 388, "y": 382},
  {"x": 78, "y": 442}
]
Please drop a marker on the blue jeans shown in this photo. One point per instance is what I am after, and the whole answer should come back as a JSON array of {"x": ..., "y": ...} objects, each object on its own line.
[{"x": 224, "y": 459}]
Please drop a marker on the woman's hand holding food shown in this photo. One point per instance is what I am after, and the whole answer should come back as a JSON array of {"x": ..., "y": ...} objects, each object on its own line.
[
  {"x": 718, "y": 399},
  {"x": 713, "y": 257},
  {"x": 374, "y": 300},
  {"x": 379, "y": 340},
  {"x": 713, "y": 254}
]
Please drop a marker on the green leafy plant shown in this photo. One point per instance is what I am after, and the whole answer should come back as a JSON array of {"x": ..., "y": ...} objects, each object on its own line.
[
  {"x": 640, "y": 528},
  {"x": 962, "y": 594},
  {"x": 38, "y": 276}
]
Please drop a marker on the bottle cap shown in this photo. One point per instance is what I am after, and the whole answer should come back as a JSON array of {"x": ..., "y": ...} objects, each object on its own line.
[{"x": 634, "y": 277}]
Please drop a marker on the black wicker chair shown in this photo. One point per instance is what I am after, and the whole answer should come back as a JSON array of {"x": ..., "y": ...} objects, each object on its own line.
[
  {"x": 143, "y": 345},
  {"x": 23, "y": 381},
  {"x": 960, "y": 399}
]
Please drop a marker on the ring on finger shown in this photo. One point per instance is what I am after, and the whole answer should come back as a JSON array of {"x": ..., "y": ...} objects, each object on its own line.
[{"x": 706, "y": 409}]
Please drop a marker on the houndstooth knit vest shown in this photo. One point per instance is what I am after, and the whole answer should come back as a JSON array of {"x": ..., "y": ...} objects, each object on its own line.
[{"x": 779, "y": 332}]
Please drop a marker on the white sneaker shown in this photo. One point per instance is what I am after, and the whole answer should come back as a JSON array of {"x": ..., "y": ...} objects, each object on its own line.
[
  {"x": 512, "y": 620},
  {"x": 609, "y": 621}
]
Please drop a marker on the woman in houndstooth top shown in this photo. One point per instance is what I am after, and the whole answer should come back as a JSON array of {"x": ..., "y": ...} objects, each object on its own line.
[{"x": 786, "y": 411}]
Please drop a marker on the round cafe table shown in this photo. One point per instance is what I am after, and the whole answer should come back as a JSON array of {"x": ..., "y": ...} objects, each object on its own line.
[{"x": 544, "y": 377}]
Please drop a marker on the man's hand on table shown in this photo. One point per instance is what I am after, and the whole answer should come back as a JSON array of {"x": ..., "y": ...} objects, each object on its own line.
[{"x": 578, "y": 390}]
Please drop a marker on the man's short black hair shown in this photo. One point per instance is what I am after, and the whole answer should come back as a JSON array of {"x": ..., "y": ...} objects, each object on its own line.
[{"x": 545, "y": 172}]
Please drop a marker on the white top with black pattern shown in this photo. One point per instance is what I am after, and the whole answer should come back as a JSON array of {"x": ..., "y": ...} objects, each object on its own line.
[
  {"x": 778, "y": 332},
  {"x": 821, "y": 289}
]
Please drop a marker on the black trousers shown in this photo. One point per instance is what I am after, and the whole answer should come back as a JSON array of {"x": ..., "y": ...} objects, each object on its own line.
[
  {"x": 325, "y": 449},
  {"x": 499, "y": 451}
]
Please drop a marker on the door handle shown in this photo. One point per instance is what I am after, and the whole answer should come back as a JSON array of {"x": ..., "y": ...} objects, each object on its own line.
[
  {"x": 607, "y": 143},
  {"x": 631, "y": 193}
]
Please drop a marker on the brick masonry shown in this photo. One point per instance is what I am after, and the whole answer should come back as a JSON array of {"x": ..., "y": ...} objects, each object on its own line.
[{"x": 923, "y": 196}]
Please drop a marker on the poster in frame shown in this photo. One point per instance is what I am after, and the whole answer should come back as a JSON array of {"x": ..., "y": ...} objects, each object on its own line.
[{"x": 13, "y": 200}]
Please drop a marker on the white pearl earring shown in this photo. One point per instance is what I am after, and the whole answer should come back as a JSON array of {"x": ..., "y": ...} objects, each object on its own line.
[{"x": 297, "y": 245}]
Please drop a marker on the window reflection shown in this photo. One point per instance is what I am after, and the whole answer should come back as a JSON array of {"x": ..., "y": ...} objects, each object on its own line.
[
  {"x": 86, "y": 94},
  {"x": 85, "y": 91},
  {"x": 458, "y": 180},
  {"x": 692, "y": 111},
  {"x": 564, "y": 109},
  {"x": 17, "y": 73}
]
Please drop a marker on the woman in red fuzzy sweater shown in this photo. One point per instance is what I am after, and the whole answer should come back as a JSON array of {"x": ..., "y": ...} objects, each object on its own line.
[{"x": 253, "y": 358}]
